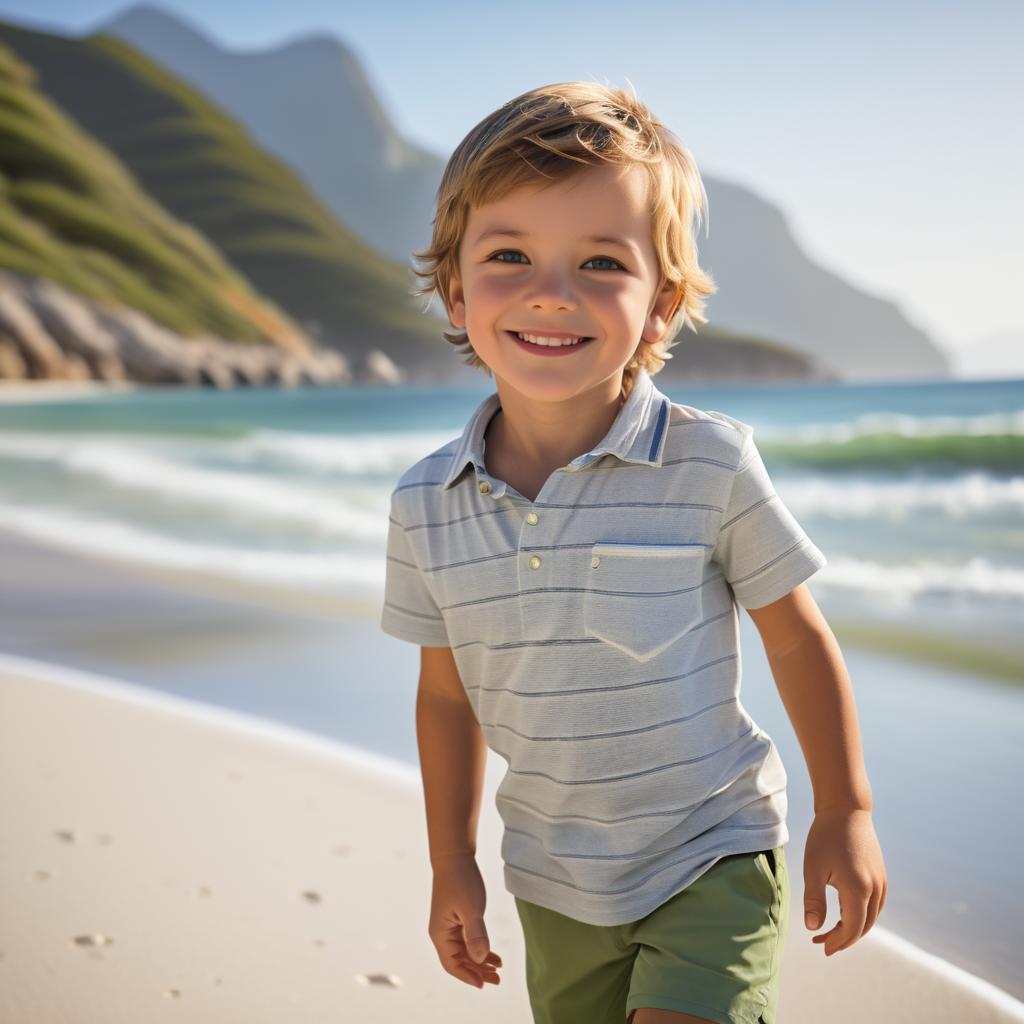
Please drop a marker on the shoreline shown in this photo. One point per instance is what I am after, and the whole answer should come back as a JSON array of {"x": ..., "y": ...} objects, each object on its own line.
[
  {"x": 60, "y": 390},
  {"x": 901, "y": 643}
]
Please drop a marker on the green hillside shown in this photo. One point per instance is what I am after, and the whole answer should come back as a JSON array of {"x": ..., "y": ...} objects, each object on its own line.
[
  {"x": 203, "y": 167},
  {"x": 70, "y": 211}
]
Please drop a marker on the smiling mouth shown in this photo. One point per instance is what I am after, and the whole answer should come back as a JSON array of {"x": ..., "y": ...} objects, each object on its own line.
[{"x": 550, "y": 343}]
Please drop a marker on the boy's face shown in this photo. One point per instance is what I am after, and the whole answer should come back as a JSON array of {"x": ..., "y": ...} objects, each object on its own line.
[{"x": 553, "y": 279}]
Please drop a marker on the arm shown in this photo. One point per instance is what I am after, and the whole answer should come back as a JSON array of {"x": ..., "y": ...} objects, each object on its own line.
[
  {"x": 453, "y": 756},
  {"x": 453, "y": 759},
  {"x": 818, "y": 696},
  {"x": 815, "y": 688}
]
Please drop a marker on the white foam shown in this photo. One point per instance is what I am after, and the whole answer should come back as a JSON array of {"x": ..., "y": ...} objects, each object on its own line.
[
  {"x": 872, "y": 423},
  {"x": 129, "y": 466},
  {"x": 386, "y": 454},
  {"x": 69, "y": 530},
  {"x": 899, "y": 585},
  {"x": 965, "y": 496}
]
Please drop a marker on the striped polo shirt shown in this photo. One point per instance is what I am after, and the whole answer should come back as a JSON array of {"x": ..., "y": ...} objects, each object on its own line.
[{"x": 596, "y": 632}]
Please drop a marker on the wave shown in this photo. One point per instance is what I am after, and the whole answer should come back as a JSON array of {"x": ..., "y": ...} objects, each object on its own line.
[
  {"x": 105, "y": 538},
  {"x": 890, "y": 442},
  {"x": 900, "y": 583},
  {"x": 969, "y": 496},
  {"x": 384, "y": 454},
  {"x": 356, "y": 508},
  {"x": 133, "y": 467}
]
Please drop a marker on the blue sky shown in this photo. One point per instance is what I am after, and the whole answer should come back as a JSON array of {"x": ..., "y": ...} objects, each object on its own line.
[{"x": 888, "y": 133}]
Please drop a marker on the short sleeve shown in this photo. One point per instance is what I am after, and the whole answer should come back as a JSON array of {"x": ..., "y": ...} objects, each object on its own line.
[
  {"x": 409, "y": 611},
  {"x": 762, "y": 549}
]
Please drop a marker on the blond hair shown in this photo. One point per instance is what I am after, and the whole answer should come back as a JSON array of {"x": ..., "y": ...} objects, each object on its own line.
[{"x": 552, "y": 133}]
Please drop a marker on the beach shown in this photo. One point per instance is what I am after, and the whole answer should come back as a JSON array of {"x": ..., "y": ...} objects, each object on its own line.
[
  {"x": 52, "y": 390},
  {"x": 164, "y": 857}
]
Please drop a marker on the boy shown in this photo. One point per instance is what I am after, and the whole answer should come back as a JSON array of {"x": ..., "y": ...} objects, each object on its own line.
[{"x": 571, "y": 568}]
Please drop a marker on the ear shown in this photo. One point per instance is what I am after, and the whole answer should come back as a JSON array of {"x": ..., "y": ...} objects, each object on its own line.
[
  {"x": 665, "y": 308},
  {"x": 456, "y": 303}
]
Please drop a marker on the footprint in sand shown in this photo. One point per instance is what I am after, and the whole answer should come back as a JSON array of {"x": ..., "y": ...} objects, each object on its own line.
[{"x": 387, "y": 980}]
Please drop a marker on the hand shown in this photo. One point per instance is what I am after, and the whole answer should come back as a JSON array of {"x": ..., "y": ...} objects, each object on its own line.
[
  {"x": 842, "y": 850},
  {"x": 457, "y": 922}
]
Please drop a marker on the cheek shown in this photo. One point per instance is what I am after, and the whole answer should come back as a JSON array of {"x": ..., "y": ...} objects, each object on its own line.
[{"x": 490, "y": 289}]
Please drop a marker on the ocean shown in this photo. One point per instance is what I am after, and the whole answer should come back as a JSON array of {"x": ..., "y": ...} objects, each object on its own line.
[{"x": 914, "y": 491}]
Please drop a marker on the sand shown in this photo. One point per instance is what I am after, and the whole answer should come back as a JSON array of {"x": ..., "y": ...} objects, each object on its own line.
[
  {"x": 160, "y": 860},
  {"x": 60, "y": 390}
]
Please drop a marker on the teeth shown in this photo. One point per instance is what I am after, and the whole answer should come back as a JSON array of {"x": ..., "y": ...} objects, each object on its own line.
[{"x": 536, "y": 339}]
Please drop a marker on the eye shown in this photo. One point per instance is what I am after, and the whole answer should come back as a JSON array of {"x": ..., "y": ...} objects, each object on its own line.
[
  {"x": 606, "y": 259},
  {"x": 506, "y": 252},
  {"x": 593, "y": 259}
]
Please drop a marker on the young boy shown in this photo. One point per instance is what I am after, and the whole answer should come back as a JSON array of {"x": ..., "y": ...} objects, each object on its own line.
[{"x": 571, "y": 568}]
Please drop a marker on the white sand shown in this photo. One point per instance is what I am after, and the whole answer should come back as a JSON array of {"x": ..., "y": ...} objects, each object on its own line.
[
  {"x": 189, "y": 838},
  {"x": 60, "y": 390}
]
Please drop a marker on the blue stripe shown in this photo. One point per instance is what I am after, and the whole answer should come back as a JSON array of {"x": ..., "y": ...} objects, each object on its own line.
[{"x": 659, "y": 430}]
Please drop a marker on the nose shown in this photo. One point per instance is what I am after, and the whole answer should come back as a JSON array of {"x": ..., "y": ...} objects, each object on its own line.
[{"x": 551, "y": 289}]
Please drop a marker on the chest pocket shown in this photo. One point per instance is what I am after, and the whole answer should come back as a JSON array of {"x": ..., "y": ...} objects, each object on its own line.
[{"x": 643, "y": 597}]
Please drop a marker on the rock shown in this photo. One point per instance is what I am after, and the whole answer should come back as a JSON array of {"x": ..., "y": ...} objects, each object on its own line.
[
  {"x": 76, "y": 368},
  {"x": 378, "y": 368},
  {"x": 12, "y": 366},
  {"x": 69, "y": 319},
  {"x": 47, "y": 331},
  {"x": 150, "y": 353},
  {"x": 41, "y": 354}
]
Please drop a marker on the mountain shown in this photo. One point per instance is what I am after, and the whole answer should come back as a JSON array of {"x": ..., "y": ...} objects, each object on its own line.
[
  {"x": 204, "y": 168},
  {"x": 384, "y": 188},
  {"x": 309, "y": 103},
  {"x": 768, "y": 285},
  {"x": 70, "y": 212}
]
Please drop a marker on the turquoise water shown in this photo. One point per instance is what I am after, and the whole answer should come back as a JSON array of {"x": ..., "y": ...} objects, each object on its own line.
[{"x": 914, "y": 491}]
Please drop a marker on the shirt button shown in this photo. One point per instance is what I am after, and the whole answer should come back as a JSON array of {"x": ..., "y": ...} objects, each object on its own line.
[
  {"x": 485, "y": 487},
  {"x": 595, "y": 562},
  {"x": 534, "y": 562},
  {"x": 532, "y": 518}
]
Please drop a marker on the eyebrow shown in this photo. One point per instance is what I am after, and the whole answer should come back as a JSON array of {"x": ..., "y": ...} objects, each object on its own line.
[{"x": 596, "y": 239}]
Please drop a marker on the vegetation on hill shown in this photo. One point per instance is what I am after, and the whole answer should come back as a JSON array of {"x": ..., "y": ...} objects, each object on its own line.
[
  {"x": 203, "y": 167},
  {"x": 70, "y": 212}
]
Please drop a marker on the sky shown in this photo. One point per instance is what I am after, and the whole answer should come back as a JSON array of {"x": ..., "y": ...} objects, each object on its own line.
[{"x": 889, "y": 134}]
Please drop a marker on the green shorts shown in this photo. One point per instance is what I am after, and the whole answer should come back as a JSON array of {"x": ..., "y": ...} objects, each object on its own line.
[{"x": 712, "y": 950}]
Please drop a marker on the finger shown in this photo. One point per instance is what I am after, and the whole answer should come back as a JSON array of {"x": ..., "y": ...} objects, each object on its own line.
[
  {"x": 488, "y": 974},
  {"x": 450, "y": 942},
  {"x": 815, "y": 907},
  {"x": 454, "y": 957},
  {"x": 465, "y": 974},
  {"x": 492, "y": 963},
  {"x": 873, "y": 907},
  {"x": 853, "y": 909}
]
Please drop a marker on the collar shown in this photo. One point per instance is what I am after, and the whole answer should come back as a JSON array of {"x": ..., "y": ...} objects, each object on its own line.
[{"x": 637, "y": 435}]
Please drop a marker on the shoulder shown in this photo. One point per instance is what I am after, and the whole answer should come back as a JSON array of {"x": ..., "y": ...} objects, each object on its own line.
[
  {"x": 707, "y": 431},
  {"x": 419, "y": 487}
]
